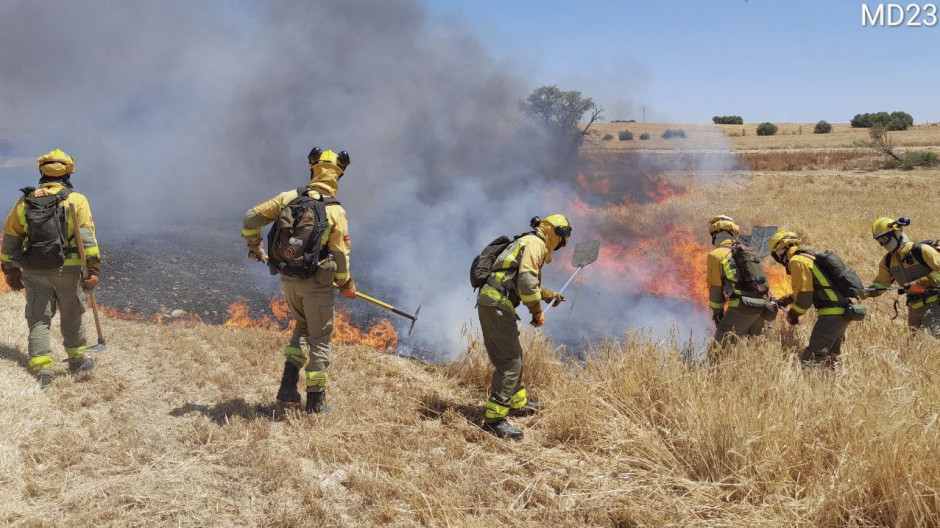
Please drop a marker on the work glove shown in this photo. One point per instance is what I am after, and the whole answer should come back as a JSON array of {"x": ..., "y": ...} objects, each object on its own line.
[
  {"x": 91, "y": 274},
  {"x": 536, "y": 310},
  {"x": 255, "y": 250},
  {"x": 552, "y": 297},
  {"x": 793, "y": 318},
  {"x": 348, "y": 288},
  {"x": 786, "y": 300},
  {"x": 13, "y": 277},
  {"x": 914, "y": 287},
  {"x": 717, "y": 315}
]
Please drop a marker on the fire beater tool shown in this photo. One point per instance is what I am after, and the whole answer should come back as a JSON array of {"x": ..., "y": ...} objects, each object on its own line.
[
  {"x": 100, "y": 347},
  {"x": 584, "y": 253},
  {"x": 373, "y": 300}
]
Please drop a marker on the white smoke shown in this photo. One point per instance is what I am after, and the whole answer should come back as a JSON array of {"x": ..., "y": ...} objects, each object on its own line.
[{"x": 187, "y": 113}]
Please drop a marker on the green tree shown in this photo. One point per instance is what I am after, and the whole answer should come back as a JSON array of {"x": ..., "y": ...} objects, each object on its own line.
[
  {"x": 822, "y": 127},
  {"x": 562, "y": 114},
  {"x": 766, "y": 129}
]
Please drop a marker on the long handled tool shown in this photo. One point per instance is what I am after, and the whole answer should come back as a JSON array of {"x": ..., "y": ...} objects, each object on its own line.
[
  {"x": 100, "y": 347},
  {"x": 373, "y": 300},
  {"x": 584, "y": 253}
]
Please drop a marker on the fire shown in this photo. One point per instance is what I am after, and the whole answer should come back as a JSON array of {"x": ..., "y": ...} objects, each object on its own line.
[{"x": 381, "y": 336}]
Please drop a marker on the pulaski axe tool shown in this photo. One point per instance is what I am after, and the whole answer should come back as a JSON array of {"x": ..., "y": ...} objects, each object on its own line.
[
  {"x": 100, "y": 347},
  {"x": 584, "y": 253},
  {"x": 373, "y": 300}
]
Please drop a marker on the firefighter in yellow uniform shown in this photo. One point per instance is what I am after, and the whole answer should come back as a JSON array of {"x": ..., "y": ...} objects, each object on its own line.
[
  {"x": 914, "y": 266},
  {"x": 310, "y": 299},
  {"x": 811, "y": 287},
  {"x": 738, "y": 320},
  {"x": 516, "y": 277},
  {"x": 39, "y": 253}
]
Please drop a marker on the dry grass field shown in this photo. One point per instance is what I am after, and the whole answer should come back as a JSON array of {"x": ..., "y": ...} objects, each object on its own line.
[{"x": 178, "y": 427}]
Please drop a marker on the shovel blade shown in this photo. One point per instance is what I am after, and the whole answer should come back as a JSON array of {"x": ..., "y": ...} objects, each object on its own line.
[{"x": 585, "y": 253}]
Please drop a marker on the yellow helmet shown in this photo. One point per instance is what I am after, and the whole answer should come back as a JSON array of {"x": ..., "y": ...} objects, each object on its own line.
[
  {"x": 722, "y": 223},
  {"x": 885, "y": 225},
  {"x": 55, "y": 164},
  {"x": 318, "y": 155},
  {"x": 781, "y": 243},
  {"x": 557, "y": 224}
]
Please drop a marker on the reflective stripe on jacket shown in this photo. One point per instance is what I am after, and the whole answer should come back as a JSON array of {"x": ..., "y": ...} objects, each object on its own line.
[
  {"x": 14, "y": 228},
  {"x": 517, "y": 272},
  {"x": 812, "y": 288},
  {"x": 902, "y": 267}
]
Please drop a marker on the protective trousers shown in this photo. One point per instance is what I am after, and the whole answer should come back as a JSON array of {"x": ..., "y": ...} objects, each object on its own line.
[
  {"x": 46, "y": 292},
  {"x": 311, "y": 304},
  {"x": 501, "y": 339},
  {"x": 825, "y": 342},
  {"x": 925, "y": 317},
  {"x": 740, "y": 321}
]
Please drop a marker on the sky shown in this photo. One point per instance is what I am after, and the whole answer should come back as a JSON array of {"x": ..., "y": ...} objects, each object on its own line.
[{"x": 688, "y": 60}]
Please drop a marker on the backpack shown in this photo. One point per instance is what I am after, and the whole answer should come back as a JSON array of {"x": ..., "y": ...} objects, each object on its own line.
[
  {"x": 294, "y": 241},
  {"x": 752, "y": 279},
  {"x": 843, "y": 278},
  {"x": 46, "y": 229},
  {"x": 917, "y": 252},
  {"x": 482, "y": 264}
]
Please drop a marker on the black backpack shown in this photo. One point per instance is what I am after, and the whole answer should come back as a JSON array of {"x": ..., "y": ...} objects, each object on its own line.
[
  {"x": 752, "y": 279},
  {"x": 483, "y": 263},
  {"x": 46, "y": 229},
  {"x": 843, "y": 278},
  {"x": 294, "y": 241}
]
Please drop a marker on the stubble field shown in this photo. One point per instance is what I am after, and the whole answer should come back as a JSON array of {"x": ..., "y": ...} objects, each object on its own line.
[{"x": 178, "y": 425}]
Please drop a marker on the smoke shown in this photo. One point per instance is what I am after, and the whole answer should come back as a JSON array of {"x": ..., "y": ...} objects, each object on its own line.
[{"x": 184, "y": 113}]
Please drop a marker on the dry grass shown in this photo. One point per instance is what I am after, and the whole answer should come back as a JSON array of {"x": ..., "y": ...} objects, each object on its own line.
[
  {"x": 177, "y": 426},
  {"x": 744, "y": 137}
]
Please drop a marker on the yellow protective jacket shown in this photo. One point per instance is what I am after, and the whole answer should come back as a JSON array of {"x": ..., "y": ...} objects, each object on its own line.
[
  {"x": 336, "y": 238},
  {"x": 14, "y": 229},
  {"x": 811, "y": 287},
  {"x": 722, "y": 277},
  {"x": 901, "y": 267},
  {"x": 517, "y": 273}
]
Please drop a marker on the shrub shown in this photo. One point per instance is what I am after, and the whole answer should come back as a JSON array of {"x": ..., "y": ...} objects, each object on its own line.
[
  {"x": 918, "y": 158},
  {"x": 822, "y": 127},
  {"x": 671, "y": 133},
  {"x": 644, "y": 136},
  {"x": 608, "y": 137},
  {"x": 623, "y": 121},
  {"x": 728, "y": 120},
  {"x": 625, "y": 135},
  {"x": 766, "y": 129},
  {"x": 893, "y": 121}
]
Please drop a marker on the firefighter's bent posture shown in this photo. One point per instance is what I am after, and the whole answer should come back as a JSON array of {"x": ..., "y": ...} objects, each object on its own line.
[
  {"x": 39, "y": 253},
  {"x": 310, "y": 299},
  {"x": 516, "y": 277}
]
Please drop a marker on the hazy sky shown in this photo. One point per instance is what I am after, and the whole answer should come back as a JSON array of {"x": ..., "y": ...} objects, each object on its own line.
[{"x": 687, "y": 60}]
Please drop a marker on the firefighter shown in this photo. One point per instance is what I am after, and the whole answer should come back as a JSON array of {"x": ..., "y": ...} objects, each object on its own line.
[
  {"x": 812, "y": 287},
  {"x": 47, "y": 263},
  {"x": 914, "y": 266},
  {"x": 516, "y": 278},
  {"x": 738, "y": 320},
  {"x": 310, "y": 299}
]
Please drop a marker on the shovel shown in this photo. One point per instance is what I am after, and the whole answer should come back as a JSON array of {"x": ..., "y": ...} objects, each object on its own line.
[{"x": 584, "y": 253}]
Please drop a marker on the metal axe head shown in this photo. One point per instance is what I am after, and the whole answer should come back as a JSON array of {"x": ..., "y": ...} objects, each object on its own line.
[
  {"x": 415, "y": 320},
  {"x": 585, "y": 253}
]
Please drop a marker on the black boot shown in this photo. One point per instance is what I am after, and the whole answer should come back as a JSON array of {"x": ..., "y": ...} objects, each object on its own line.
[
  {"x": 81, "y": 365},
  {"x": 316, "y": 403},
  {"x": 502, "y": 429},
  {"x": 288, "y": 392}
]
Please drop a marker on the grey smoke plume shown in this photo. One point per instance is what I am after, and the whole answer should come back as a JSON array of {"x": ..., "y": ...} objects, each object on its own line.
[{"x": 187, "y": 113}]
